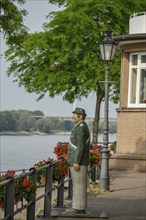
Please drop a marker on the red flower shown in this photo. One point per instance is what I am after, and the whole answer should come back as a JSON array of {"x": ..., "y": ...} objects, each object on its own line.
[
  {"x": 61, "y": 149},
  {"x": 28, "y": 189},
  {"x": 64, "y": 156},
  {"x": 25, "y": 182},
  {"x": 60, "y": 169},
  {"x": 96, "y": 146},
  {"x": 42, "y": 172},
  {"x": 95, "y": 156},
  {"x": 111, "y": 147},
  {"x": 1, "y": 204}
]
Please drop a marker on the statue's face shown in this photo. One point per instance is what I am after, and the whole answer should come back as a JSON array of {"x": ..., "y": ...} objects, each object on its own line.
[{"x": 76, "y": 118}]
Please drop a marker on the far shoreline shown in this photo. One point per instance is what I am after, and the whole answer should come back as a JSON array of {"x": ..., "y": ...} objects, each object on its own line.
[{"x": 25, "y": 133}]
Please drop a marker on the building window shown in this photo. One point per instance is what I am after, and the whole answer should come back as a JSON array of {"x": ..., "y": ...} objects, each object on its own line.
[{"x": 137, "y": 80}]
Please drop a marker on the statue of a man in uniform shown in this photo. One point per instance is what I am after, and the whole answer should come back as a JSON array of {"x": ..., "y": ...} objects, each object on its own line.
[{"x": 78, "y": 160}]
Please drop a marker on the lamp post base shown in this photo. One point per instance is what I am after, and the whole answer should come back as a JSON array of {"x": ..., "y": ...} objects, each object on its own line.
[
  {"x": 104, "y": 176},
  {"x": 104, "y": 184}
]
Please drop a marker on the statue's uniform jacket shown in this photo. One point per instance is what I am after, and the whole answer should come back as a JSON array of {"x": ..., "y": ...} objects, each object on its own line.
[{"x": 78, "y": 150}]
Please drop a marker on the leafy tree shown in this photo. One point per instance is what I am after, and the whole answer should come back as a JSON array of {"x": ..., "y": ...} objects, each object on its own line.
[
  {"x": 38, "y": 113},
  {"x": 7, "y": 121},
  {"x": 43, "y": 125},
  {"x": 11, "y": 20},
  {"x": 21, "y": 120},
  {"x": 65, "y": 58},
  {"x": 25, "y": 119}
]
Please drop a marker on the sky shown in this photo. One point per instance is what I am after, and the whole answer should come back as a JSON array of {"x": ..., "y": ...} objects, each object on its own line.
[{"x": 14, "y": 97}]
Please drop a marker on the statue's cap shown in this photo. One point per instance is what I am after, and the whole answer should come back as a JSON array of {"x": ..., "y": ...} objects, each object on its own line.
[{"x": 79, "y": 111}]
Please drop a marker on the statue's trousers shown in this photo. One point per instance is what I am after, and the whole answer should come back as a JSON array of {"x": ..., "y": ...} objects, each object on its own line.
[{"x": 79, "y": 181}]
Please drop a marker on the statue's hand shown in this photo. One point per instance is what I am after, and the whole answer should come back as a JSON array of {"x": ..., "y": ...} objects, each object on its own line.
[{"x": 76, "y": 167}]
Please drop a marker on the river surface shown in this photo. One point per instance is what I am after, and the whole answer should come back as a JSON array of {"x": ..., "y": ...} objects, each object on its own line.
[{"x": 22, "y": 152}]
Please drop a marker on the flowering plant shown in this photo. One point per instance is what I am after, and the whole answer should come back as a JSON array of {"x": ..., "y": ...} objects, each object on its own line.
[
  {"x": 96, "y": 147},
  {"x": 25, "y": 188},
  {"x": 112, "y": 147},
  {"x": 61, "y": 149},
  {"x": 95, "y": 155},
  {"x": 60, "y": 169},
  {"x": 3, "y": 177},
  {"x": 41, "y": 173}
]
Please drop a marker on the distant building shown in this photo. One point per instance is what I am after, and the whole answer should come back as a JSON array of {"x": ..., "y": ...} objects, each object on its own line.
[{"x": 131, "y": 114}]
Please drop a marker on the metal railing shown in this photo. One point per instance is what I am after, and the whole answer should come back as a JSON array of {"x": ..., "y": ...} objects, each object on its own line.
[
  {"x": 30, "y": 206},
  {"x": 10, "y": 210}
]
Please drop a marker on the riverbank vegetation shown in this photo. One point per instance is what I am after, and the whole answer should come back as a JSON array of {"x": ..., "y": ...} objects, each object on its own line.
[{"x": 36, "y": 122}]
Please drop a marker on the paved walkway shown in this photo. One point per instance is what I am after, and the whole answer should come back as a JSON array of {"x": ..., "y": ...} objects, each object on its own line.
[{"x": 126, "y": 199}]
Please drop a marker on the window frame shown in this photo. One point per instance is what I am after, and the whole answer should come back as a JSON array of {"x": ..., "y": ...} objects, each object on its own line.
[{"x": 139, "y": 66}]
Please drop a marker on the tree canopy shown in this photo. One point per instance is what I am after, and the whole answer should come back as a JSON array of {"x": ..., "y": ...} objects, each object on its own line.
[
  {"x": 11, "y": 20},
  {"x": 65, "y": 58}
]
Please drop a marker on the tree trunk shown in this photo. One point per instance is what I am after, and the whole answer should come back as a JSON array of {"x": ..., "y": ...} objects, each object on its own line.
[{"x": 99, "y": 96}]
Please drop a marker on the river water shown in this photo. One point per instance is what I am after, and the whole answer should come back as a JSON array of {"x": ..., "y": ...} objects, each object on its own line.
[{"x": 22, "y": 152}]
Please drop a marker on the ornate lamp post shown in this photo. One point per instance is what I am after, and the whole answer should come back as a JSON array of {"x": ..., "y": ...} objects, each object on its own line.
[{"x": 107, "y": 49}]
